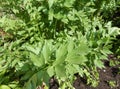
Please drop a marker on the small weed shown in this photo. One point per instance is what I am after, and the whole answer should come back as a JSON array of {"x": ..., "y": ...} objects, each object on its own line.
[{"x": 112, "y": 84}]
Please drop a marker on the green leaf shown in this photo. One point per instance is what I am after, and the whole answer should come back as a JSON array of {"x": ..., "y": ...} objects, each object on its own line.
[
  {"x": 65, "y": 20},
  {"x": 32, "y": 49},
  {"x": 27, "y": 75},
  {"x": 13, "y": 85},
  {"x": 71, "y": 16},
  {"x": 79, "y": 69},
  {"x": 98, "y": 63},
  {"x": 50, "y": 2},
  {"x": 4, "y": 87},
  {"x": 58, "y": 16},
  {"x": 37, "y": 60},
  {"x": 15, "y": 11},
  {"x": 50, "y": 71},
  {"x": 51, "y": 14},
  {"x": 60, "y": 54},
  {"x": 37, "y": 79},
  {"x": 69, "y": 3},
  {"x": 60, "y": 70},
  {"x": 61, "y": 51},
  {"x": 43, "y": 77},
  {"x": 83, "y": 49},
  {"x": 105, "y": 51},
  {"x": 76, "y": 59},
  {"x": 32, "y": 83},
  {"x": 70, "y": 46},
  {"x": 71, "y": 69},
  {"x": 46, "y": 51}
]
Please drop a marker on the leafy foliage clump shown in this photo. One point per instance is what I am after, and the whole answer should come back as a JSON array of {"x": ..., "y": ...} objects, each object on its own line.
[{"x": 52, "y": 38}]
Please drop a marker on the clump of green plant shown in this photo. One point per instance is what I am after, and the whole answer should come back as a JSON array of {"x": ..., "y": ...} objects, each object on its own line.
[
  {"x": 112, "y": 84},
  {"x": 51, "y": 36}
]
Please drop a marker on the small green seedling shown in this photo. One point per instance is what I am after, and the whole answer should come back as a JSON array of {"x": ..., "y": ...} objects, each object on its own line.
[{"x": 112, "y": 84}]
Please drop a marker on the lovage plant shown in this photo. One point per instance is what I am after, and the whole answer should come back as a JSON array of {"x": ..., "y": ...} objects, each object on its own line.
[{"x": 52, "y": 38}]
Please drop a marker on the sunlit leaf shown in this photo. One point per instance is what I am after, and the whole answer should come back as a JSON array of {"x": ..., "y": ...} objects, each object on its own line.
[
  {"x": 98, "y": 63},
  {"x": 83, "y": 49},
  {"x": 70, "y": 46},
  {"x": 32, "y": 49},
  {"x": 50, "y": 2},
  {"x": 50, "y": 71},
  {"x": 46, "y": 52},
  {"x": 60, "y": 54},
  {"x": 60, "y": 70},
  {"x": 37, "y": 60},
  {"x": 69, "y": 3},
  {"x": 76, "y": 59},
  {"x": 51, "y": 14},
  {"x": 105, "y": 51},
  {"x": 4, "y": 87}
]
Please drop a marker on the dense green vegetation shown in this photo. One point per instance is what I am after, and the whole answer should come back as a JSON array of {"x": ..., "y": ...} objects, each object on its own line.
[{"x": 42, "y": 38}]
